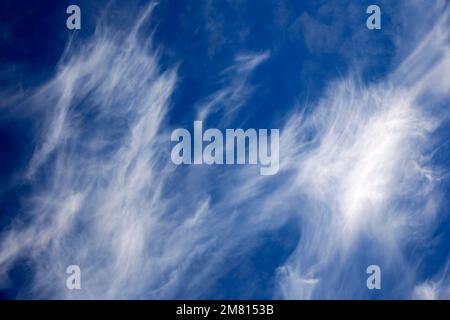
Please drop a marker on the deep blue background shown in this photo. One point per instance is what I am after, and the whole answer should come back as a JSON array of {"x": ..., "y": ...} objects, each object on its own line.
[{"x": 203, "y": 38}]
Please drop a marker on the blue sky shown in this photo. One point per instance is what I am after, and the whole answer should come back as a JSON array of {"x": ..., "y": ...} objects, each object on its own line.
[{"x": 85, "y": 170}]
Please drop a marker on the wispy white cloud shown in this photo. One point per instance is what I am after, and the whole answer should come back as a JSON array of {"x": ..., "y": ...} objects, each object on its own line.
[
  {"x": 360, "y": 164},
  {"x": 438, "y": 287},
  {"x": 106, "y": 196},
  {"x": 355, "y": 172},
  {"x": 229, "y": 99}
]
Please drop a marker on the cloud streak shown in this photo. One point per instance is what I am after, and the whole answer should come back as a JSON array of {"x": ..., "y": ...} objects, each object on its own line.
[{"x": 362, "y": 168}]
